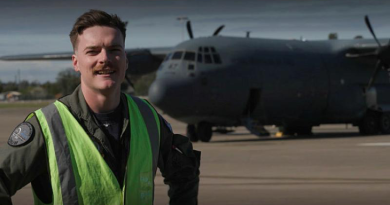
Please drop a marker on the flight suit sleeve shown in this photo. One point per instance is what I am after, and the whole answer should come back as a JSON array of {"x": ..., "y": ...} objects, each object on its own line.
[
  {"x": 19, "y": 165},
  {"x": 179, "y": 165}
]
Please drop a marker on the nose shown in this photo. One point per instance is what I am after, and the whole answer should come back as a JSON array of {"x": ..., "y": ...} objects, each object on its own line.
[{"x": 104, "y": 57}]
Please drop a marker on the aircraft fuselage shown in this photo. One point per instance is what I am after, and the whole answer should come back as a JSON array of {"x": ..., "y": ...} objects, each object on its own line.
[{"x": 276, "y": 82}]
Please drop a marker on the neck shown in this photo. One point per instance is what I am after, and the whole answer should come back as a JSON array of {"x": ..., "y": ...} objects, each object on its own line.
[{"x": 100, "y": 102}]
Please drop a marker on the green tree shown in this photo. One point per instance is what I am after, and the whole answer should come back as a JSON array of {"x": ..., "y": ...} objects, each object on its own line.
[
  {"x": 68, "y": 80},
  {"x": 332, "y": 36},
  {"x": 52, "y": 89},
  {"x": 142, "y": 83},
  {"x": 10, "y": 86}
]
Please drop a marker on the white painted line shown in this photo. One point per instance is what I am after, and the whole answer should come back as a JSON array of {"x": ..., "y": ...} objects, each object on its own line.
[{"x": 378, "y": 144}]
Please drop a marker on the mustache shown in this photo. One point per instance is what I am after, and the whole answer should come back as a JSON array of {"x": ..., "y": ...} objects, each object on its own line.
[{"x": 101, "y": 67}]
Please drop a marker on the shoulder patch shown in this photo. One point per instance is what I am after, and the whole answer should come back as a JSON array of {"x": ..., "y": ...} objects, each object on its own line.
[
  {"x": 21, "y": 135},
  {"x": 167, "y": 124}
]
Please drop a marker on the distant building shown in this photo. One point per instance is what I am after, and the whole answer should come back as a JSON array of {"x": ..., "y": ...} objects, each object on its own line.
[
  {"x": 13, "y": 96},
  {"x": 3, "y": 96}
]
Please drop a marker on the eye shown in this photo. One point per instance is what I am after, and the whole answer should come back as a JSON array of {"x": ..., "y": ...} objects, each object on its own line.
[
  {"x": 92, "y": 52},
  {"x": 115, "y": 50}
]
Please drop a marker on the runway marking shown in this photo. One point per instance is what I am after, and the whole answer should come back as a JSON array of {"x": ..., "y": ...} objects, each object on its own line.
[{"x": 378, "y": 144}]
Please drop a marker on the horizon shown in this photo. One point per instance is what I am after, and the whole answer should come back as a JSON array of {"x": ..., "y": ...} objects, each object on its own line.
[{"x": 41, "y": 26}]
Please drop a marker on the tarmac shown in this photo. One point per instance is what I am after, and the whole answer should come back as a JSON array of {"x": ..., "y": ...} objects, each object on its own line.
[{"x": 335, "y": 166}]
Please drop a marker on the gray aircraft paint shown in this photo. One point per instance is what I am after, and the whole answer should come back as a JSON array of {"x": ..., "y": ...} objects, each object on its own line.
[{"x": 300, "y": 82}]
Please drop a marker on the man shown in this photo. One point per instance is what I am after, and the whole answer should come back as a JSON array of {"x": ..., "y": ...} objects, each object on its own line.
[{"x": 98, "y": 145}]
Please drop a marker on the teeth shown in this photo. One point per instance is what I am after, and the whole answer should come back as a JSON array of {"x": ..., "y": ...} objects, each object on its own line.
[{"x": 105, "y": 72}]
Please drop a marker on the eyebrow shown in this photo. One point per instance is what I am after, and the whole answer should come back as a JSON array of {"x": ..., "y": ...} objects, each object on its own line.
[{"x": 95, "y": 47}]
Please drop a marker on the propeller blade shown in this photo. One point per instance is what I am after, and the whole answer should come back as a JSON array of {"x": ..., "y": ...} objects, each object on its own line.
[
  {"x": 216, "y": 32},
  {"x": 367, "y": 20},
  {"x": 372, "y": 79},
  {"x": 189, "y": 29}
]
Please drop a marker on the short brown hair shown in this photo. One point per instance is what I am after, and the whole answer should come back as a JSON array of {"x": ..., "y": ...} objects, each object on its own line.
[{"x": 96, "y": 18}]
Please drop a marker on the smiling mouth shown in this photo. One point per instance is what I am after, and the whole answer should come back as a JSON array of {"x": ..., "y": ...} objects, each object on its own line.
[{"x": 104, "y": 72}]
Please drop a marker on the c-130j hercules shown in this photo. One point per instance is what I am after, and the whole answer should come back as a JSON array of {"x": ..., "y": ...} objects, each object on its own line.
[{"x": 230, "y": 81}]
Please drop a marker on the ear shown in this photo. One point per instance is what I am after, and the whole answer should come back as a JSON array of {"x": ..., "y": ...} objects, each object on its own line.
[{"x": 75, "y": 63}]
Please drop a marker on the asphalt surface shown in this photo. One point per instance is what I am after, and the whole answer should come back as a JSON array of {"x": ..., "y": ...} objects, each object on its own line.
[{"x": 335, "y": 166}]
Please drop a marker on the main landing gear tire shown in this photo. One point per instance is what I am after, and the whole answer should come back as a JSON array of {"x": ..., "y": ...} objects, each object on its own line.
[
  {"x": 204, "y": 131},
  {"x": 191, "y": 133},
  {"x": 370, "y": 124},
  {"x": 384, "y": 123}
]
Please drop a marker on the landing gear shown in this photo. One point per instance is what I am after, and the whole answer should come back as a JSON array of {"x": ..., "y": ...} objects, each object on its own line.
[
  {"x": 298, "y": 130},
  {"x": 384, "y": 123},
  {"x": 191, "y": 133},
  {"x": 370, "y": 124},
  {"x": 204, "y": 131}
]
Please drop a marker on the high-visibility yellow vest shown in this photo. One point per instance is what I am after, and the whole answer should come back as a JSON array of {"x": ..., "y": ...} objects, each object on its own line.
[{"x": 79, "y": 174}]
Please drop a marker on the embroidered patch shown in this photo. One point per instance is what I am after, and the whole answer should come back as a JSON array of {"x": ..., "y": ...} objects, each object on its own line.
[{"x": 21, "y": 135}]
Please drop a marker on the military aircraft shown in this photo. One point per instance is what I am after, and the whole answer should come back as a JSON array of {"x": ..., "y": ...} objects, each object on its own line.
[{"x": 220, "y": 81}]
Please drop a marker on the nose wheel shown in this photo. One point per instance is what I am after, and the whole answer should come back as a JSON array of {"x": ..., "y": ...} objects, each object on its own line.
[
  {"x": 203, "y": 131},
  {"x": 191, "y": 133}
]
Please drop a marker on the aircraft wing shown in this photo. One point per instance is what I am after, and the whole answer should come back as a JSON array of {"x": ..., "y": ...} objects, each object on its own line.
[
  {"x": 141, "y": 60},
  {"x": 42, "y": 56},
  {"x": 361, "y": 50}
]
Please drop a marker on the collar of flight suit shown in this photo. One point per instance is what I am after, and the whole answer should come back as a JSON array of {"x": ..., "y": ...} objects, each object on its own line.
[{"x": 78, "y": 106}]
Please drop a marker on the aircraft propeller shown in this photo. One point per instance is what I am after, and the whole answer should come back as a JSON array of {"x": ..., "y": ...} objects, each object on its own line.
[
  {"x": 379, "y": 53},
  {"x": 216, "y": 32},
  {"x": 189, "y": 29}
]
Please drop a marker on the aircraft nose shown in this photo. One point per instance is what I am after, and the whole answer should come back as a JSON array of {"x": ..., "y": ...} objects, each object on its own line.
[
  {"x": 158, "y": 92},
  {"x": 171, "y": 96}
]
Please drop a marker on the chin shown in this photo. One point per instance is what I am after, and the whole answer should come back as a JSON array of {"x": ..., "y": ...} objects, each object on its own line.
[{"x": 108, "y": 86}]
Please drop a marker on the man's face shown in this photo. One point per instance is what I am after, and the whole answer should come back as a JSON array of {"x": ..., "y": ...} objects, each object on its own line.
[{"x": 100, "y": 58}]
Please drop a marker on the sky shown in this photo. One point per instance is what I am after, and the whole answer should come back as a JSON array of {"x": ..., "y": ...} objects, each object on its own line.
[{"x": 42, "y": 26}]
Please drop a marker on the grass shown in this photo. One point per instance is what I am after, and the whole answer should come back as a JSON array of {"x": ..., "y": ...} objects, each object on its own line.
[{"x": 25, "y": 104}]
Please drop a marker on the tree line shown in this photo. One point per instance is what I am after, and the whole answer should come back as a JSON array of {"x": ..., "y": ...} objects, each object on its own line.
[{"x": 66, "y": 81}]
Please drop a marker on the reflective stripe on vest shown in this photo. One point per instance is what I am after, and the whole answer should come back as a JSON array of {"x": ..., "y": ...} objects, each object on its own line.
[{"x": 79, "y": 175}]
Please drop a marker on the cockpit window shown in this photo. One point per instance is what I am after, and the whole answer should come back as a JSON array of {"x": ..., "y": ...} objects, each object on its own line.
[
  {"x": 200, "y": 59},
  {"x": 208, "y": 55},
  {"x": 190, "y": 56},
  {"x": 207, "y": 59},
  {"x": 177, "y": 55},
  {"x": 168, "y": 57}
]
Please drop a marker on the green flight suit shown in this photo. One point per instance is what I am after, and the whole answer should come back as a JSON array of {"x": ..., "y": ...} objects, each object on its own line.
[{"x": 28, "y": 163}]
